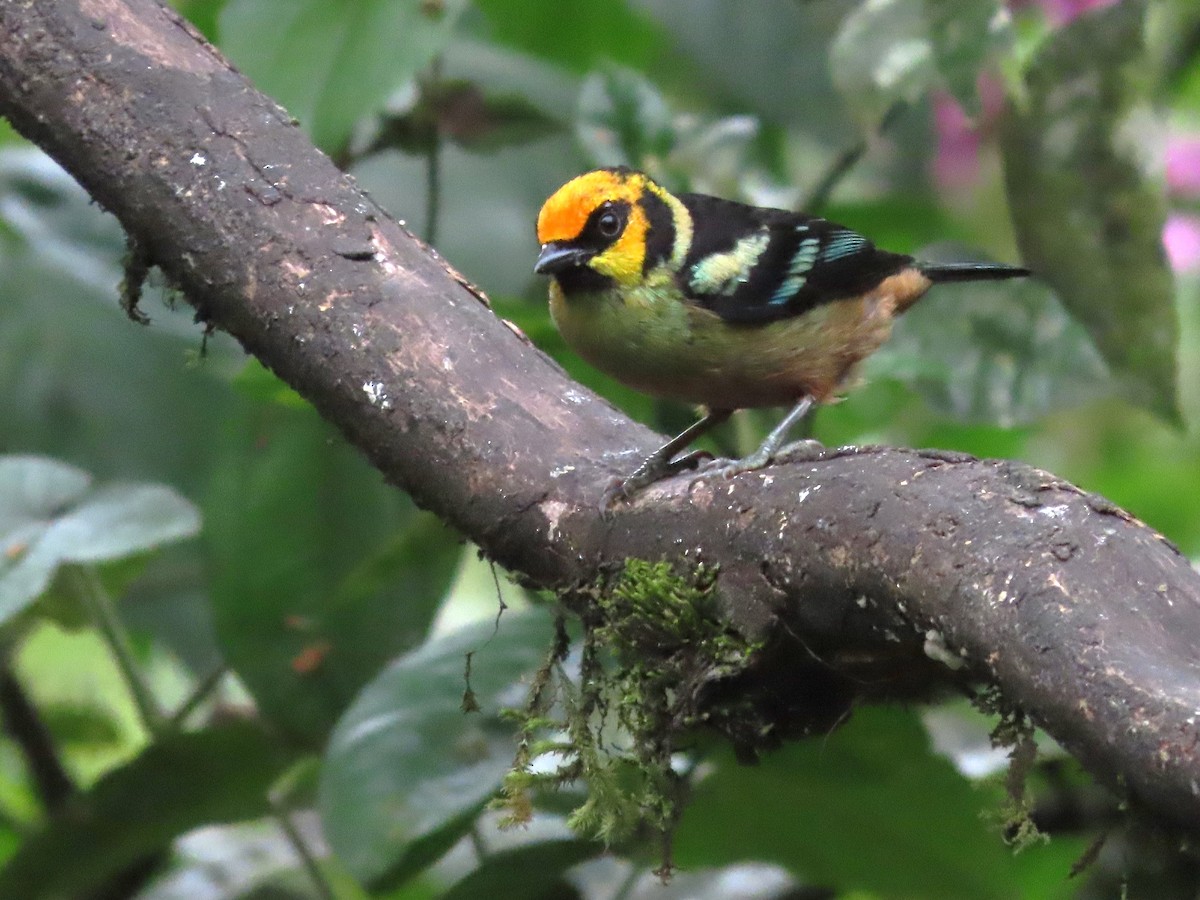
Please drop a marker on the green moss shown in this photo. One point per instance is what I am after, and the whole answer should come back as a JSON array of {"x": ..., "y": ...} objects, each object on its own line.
[
  {"x": 136, "y": 265},
  {"x": 652, "y": 639},
  {"x": 1016, "y": 732}
]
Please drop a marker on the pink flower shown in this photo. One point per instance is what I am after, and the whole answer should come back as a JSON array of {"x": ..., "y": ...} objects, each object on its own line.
[
  {"x": 1181, "y": 238},
  {"x": 1060, "y": 12},
  {"x": 1181, "y": 234},
  {"x": 957, "y": 162},
  {"x": 1183, "y": 165},
  {"x": 958, "y": 137}
]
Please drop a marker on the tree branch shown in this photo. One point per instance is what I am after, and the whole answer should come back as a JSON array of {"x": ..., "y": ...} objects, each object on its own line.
[
  {"x": 853, "y": 568},
  {"x": 24, "y": 725}
]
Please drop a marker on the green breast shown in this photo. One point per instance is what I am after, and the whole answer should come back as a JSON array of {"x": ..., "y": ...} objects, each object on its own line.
[
  {"x": 643, "y": 338},
  {"x": 655, "y": 341}
]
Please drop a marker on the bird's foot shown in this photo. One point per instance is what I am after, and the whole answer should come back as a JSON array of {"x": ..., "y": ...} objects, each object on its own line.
[
  {"x": 797, "y": 451},
  {"x": 804, "y": 450},
  {"x": 654, "y": 468}
]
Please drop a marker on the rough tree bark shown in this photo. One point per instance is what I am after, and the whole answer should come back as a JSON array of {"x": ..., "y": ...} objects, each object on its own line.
[{"x": 1085, "y": 617}]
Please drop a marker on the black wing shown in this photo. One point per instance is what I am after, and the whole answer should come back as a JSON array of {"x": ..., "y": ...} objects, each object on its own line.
[{"x": 749, "y": 264}]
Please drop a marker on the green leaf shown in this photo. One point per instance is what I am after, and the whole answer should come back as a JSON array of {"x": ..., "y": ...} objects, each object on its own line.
[
  {"x": 116, "y": 521},
  {"x": 331, "y": 63},
  {"x": 1088, "y": 213},
  {"x": 168, "y": 604},
  {"x": 963, "y": 34},
  {"x": 180, "y": 783},
  {"x": 715, "y": 156},
  {"x": 256, "y": 382},
  {"x": 78, "y": 397},
  {"x": 531, "y": 871},
  {"x": 891, "y": 51},
  {"x": 624, "y": 121},
  {"x": 407, "y": 771},
  {"x": 868, "y": 808},
  {"x": 50, "y": 515},
  {"x": 993, "y": 353},
  {"x": 579, "y": 36},
  {"x": 33, "y": 487},
  {"x": 61, "y": 602},
  {"x": 9, "y": 135},
  {"x": 321, "y": 572},
  {"x": 81, "y": 727},
  {"x": 253, "y": 859},
  {"x": 77, "y": 669},
  {"x": 882, "y": 55}
]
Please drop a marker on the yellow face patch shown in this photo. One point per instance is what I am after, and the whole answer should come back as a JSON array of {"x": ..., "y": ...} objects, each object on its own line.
[{"x": 565, "y": 214}]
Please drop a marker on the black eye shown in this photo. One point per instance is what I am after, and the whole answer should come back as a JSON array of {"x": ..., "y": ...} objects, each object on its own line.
[{"x": 609, "y": 224}]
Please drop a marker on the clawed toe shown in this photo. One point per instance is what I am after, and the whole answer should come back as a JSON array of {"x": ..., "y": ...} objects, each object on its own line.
[
  {"x": 801, "y": 451},
  {"x": 663, "y": 464},
  {"x": 730, "y": 468},
  {"x": 685, "y": 463},
  {"x": 614, "y": 493},
  {"x": 652, "y": 470},
  {"x": 798, "y": 451}
]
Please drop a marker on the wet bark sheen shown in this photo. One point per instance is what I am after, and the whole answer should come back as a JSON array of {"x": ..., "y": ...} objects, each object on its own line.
[{"x": 1084, "y": 616}]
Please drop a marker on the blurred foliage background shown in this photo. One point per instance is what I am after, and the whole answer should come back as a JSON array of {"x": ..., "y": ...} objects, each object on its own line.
[{"x": 233, "y": 657}]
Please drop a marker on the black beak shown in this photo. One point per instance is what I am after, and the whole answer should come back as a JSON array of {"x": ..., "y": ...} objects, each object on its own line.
[{"x": 555, "y": 258}]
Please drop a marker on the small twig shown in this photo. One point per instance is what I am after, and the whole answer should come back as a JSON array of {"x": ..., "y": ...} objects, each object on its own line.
[
  {"x": 56, "y": 788},
  {"x": 477, "y": 843},
  {"x": 501, "y": 607},
  {"x": 433, "y": 162},
  {"x": 818, "y": 197},
  {"x": 199, "y": 694},
  {"x": 625, "y": 889},
  {"x": 433, "y": 195},
  {"x": 25, "y": 726},
  {"x": 308, "y": 859},
  {"x": 104, "y": 615}
]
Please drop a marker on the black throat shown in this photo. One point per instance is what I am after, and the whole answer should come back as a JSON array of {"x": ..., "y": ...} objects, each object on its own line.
[{"x": 582, "y": 280}]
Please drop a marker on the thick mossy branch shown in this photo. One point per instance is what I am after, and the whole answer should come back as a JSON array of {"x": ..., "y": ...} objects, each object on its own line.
[
  {"x": 652, "y": 639},
  {"x": 1088, "y": 618}
]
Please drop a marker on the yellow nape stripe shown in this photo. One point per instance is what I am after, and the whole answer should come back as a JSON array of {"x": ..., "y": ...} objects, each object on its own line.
[{"x": 681, "y": 219}]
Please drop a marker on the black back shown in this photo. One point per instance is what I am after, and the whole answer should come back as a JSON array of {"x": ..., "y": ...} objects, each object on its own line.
[{"x": 803, "y": 263}]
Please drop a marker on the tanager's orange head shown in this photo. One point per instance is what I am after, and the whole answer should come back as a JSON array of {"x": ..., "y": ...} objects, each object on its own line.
[{"x": 605, "y": 223}]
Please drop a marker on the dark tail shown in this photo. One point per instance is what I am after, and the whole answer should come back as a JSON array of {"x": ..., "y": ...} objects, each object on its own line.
[{"x": 940, "y": 273}]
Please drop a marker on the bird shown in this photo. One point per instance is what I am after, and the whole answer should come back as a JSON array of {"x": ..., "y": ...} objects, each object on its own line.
[{"x": 721, "y": 304}]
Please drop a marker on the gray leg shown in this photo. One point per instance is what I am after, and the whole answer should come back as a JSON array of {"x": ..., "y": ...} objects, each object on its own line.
[
  {"x": 662, "y": 463},
  {"x": 770, "y": 448}
]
